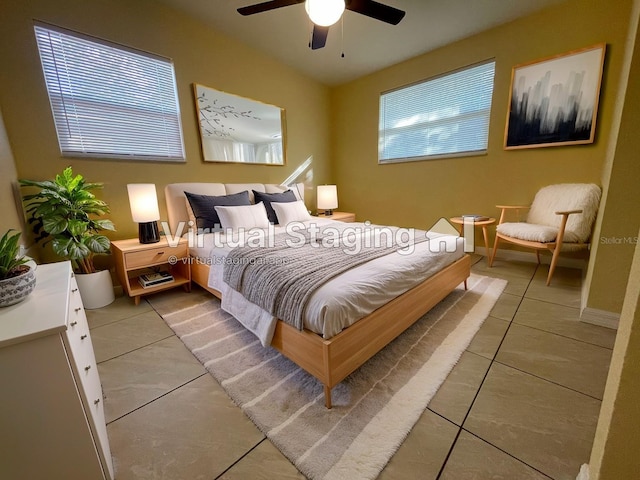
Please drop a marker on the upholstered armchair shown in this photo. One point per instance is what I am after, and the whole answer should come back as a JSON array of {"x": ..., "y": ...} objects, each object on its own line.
[{"x": 559, "y": 219}]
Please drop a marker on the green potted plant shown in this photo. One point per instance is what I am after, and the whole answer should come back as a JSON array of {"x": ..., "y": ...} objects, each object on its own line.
[
  {"x": 66, "y": 213},
  {"x": 17, "y": 279}
]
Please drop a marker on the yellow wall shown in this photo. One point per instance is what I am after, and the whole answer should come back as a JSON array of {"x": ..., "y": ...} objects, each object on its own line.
[
  {"x": 200, "y": 55},
  {"x": 619, "y": 219},
  {"x": 617, "y": 442},
  {"x": 419, "y": 193},
  {"x": 10, "y": 218}
]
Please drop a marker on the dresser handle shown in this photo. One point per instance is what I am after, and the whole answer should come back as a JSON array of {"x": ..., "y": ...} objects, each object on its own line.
[
  {"x": 82, "y": 337},
  {"x": 73, "y": 324},
  {"x": 77, "y": 309},
  {"x": 96, "y": 401},
  {"x": 87, "y": 368},
  {"x": 74, "y": 290},
  {"x": 160, "y": 253}
]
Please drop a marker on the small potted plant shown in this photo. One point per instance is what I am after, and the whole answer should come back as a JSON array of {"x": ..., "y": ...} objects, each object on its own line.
[
  {"x": 17, "y": 279},
  {"x": 66, "y": 212}
]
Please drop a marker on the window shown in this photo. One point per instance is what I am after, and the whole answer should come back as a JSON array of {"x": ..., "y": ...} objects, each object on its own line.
[
  {"x": 108, "y": 100},
  {"x": 443, "y": 116}
]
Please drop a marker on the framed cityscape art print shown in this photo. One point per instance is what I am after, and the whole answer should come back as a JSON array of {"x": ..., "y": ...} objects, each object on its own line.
[{"x": 554, "y": 101}]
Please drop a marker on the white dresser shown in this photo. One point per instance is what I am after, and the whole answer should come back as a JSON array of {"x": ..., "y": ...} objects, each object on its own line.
[{"x": 52, "y": 423}]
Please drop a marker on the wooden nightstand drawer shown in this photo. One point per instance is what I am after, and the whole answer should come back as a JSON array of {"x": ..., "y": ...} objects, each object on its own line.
[
  {"x": 345, "y": 217},
  {"x": 153, "y": 256}
]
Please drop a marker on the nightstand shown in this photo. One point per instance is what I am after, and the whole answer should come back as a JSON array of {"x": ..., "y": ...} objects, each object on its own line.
[
  {"x": 341, "y": 217},
  {"x": 133, "y": 259}
]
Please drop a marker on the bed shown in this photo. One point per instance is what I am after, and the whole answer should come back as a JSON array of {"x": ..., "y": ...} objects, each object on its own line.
[{"x": 328, "y": 351}]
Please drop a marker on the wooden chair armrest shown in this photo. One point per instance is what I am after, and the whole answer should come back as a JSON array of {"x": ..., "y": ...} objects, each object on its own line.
[
  {"x": 563, "y": 224},
  {"x": 568, "y": 212},
  {"x": 518, "y": 207},
  {"x": 504, "y": 209}
]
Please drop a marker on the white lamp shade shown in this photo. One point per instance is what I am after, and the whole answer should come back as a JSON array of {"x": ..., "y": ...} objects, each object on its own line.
[
  {"x": 327, "y": 197},
  {"x": 144, "y": 202},
  {"x": 324, "y": 12}
]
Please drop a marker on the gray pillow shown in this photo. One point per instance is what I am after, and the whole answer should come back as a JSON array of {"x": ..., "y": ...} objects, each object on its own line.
[
  {"x": 267, "y": 198},
  {"x": 204, "y": 211}
]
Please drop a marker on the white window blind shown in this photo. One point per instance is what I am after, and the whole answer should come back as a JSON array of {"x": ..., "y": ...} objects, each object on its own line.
[
  {"x": 443, "y": 116},
  {"x": 108, "y": 100}
]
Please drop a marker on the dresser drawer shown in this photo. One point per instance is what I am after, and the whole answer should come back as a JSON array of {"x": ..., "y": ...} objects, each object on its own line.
[
  {"x": 77, "y": 339},
  {"x": 77, "y": 319},
  {"x": 153, "y": 256},
  {"x": 86, "y": 372}
]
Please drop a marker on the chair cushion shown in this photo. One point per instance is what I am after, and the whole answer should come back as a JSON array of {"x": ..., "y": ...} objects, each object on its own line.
[
  {"x": 563, "y": 197},
  {"x": 528, "y": 231}
]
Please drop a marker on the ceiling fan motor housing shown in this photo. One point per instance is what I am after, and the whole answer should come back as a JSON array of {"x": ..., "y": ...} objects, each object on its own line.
[{"x": 324, "y": 13}]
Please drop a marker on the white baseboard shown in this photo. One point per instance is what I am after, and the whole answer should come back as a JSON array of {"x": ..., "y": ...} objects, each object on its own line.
[
  {"x": 601, "y": 318},
  {"x": 515, "y": 255},
  {"x": 584, "y": 472}
]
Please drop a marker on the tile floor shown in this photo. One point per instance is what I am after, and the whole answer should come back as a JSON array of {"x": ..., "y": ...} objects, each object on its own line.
[{"x": 522, "y": 403}]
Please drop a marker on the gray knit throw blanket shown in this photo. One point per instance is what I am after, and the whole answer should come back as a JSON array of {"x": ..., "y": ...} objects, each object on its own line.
[{"x": 281, "y": 278}]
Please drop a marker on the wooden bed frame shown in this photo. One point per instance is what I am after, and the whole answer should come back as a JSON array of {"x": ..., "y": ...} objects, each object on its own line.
[{"x": 332, "y": 360}]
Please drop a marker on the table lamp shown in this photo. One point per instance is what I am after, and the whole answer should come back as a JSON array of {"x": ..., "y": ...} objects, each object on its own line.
[
  {"x": 144, "y": 210},
  {"x": 327, "y": 198}
]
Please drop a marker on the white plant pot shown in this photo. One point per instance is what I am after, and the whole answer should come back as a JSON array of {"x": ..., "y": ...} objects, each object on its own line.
[{"x": 96, "y": 289}]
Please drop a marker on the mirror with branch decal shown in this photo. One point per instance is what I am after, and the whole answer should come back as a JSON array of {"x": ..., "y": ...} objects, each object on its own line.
[{"x": 235, "y": 129}]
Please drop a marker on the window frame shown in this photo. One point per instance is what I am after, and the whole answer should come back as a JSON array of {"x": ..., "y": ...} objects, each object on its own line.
[
  {"x": 422, "y": 125},
  {"x": 175, "y": 151}
]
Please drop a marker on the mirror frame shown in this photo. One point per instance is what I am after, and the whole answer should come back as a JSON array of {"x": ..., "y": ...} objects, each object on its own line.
[{"x": 237, "y": 121}]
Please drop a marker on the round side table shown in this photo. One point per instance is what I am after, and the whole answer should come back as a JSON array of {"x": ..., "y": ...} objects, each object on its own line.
[{"x": 476, "y": 223}]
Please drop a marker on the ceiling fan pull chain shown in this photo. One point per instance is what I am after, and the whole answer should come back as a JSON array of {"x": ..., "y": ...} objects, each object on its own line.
[{"x": 342, "y": 35}]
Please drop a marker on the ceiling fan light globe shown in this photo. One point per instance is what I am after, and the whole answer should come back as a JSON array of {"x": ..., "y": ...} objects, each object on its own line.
[{"x": 324, "y": 12}]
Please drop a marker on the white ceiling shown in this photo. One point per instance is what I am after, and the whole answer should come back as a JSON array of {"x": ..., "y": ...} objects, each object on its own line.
[{"x": 368, "y": 44}]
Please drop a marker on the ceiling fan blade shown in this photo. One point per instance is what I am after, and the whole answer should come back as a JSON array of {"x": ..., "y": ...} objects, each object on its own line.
[
  {"x": 319, "y": 37},
  {"x": 266, "y": 6},
  {"x": 376, "y": 10}
]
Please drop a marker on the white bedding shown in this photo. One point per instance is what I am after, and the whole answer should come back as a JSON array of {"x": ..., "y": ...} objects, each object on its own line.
[{"x": 344, "y": 299}]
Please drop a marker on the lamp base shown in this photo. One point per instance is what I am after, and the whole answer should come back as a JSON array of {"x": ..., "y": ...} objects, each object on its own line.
[
  {"x": 328, "y": 213},
  {"x": 148, "y": 232}
]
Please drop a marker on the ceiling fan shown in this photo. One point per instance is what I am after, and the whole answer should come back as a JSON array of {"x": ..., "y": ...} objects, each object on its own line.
[{"x": 324, "y": 13}]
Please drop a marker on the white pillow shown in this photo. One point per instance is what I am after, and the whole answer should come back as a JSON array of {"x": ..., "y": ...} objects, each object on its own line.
[
  {"x": 288, "y": 212},
  {"x": 243, "y": 216}
]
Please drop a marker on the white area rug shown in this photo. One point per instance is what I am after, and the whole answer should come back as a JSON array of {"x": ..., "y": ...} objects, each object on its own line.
[{"x": 373, "y": 409}]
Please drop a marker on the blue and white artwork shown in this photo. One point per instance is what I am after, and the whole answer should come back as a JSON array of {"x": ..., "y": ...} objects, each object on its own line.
[{"x": 555, "y": 101}]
